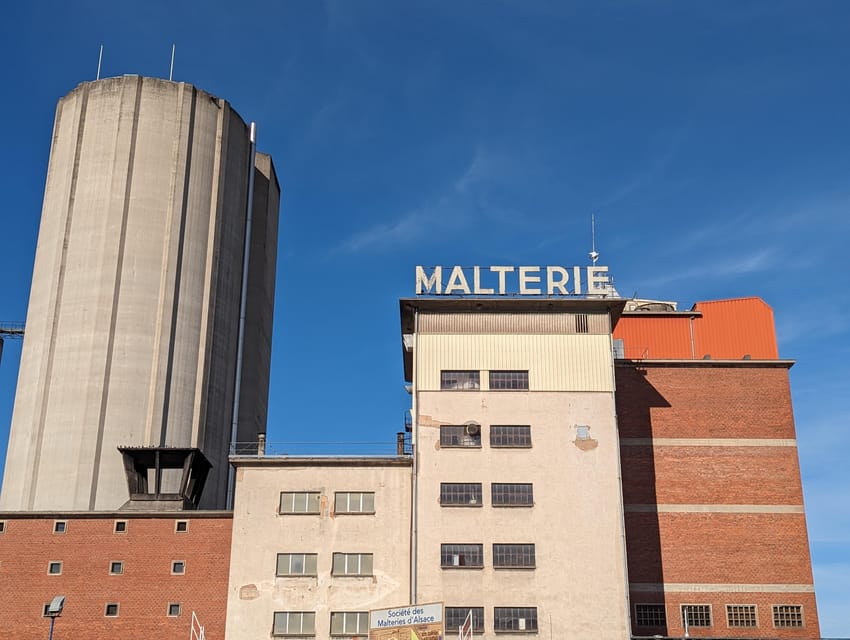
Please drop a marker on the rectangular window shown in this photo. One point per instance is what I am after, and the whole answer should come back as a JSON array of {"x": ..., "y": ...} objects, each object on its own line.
[
  {"x": 294, "y": 623},
  {"x": 178, "y": 567},
  {"x": 349, "y": 623},
  {"x": 513, "y": 556},
  {"x": 2, "y": 526},
  {"x": 120, "y": 526},
  {"x": 456, "y": 616},
  {"x": 60, "y": 526},
  {"x": 352, "y": 564},
  {"x": 650, "y": 615},
  {"x": 45, "y": 611},
  {"x": 354, "y": 502},
  {"x": 460, "y": 380},
  {"x": 515, "y": 619},
  {"x": 111, "y": 610},
  {"x": 506, "y": 436},
  {"x": 181, "y": 526},
  {"x": 515, "y": 494},
  {"x": 297, "y": 564},
  {"x": 173, "y": 609},
  {"x": 787, "y": 615},
  {"x": 461, "y": 556},
  {"x": 696, "y": 615},
  {"x": 54, "y": 567},
  {"x": 116, "y": 567},
  {"x": 741, "y": 615},
  {"x": 296, "y": 502},
  {"x": 464, "y": 435},
  {"x": 509, "y": 380},
  {"x": 460, "y": 494}
]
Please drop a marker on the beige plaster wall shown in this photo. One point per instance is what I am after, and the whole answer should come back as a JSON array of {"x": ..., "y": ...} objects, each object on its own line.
[{"x": 260, "y": 533}]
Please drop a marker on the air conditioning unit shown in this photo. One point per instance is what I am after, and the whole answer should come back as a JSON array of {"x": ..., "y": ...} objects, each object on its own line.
[{"x": 472, "y": 429}]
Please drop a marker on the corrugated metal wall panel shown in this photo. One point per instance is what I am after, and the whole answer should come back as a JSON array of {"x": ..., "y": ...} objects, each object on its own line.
[
  {"x": 498, "y": 323},
  {"x": 554, "y": 362},
  {"x": 655, "y": 337},
  {"x": 729, "y": 329}
]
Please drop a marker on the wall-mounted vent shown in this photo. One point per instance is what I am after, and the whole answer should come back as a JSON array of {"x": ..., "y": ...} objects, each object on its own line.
[{"x": 581, "y": 323}]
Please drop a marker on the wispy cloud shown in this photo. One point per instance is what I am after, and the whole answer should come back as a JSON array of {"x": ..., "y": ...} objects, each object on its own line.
[{"x": 720, "y": 266}]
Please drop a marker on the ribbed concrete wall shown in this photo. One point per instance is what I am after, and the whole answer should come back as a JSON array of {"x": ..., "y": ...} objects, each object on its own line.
[{"x": 134, "y": 308}]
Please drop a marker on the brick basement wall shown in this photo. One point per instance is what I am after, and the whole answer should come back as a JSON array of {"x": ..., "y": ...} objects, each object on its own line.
[{"x": 143, "y": 591}]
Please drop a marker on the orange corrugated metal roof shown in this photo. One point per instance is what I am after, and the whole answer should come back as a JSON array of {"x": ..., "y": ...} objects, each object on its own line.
[{"x": 721, "y": 329}]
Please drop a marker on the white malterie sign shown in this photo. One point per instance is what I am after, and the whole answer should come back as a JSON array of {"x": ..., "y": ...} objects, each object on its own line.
[{"x": 501, "y": 280}]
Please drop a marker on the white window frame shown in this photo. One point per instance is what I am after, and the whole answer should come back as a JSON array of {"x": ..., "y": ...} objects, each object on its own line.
[
  {"x": 294, "y": 623},
  {"x": 313, "y": 559},
  {"x": 353, "y": 564},
  {"x": 354, "y": 623},
  {"x": 288, "y": 503},
  {"x": 354, "y": 502}
]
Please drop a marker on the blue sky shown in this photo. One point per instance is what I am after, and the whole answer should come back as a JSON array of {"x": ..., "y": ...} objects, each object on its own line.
[{"x": 712, "y": 141}]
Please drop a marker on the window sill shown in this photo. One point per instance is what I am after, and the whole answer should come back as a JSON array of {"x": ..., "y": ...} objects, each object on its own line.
[
  {"x": 296, "y": 575},
  {"x": 353, "y": 513},
  {"x": 512, "y": 568},
  {"x": 512, "y": 506},
  {"x": 476, "y": 505},
  {"x": 352, "y": 575},
  {"x": 299, "y": 513},
  {"x": 452, "y": 567}
]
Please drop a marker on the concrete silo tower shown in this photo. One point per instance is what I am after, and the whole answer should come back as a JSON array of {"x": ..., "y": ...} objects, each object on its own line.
[{"x": 133, "y": 326}]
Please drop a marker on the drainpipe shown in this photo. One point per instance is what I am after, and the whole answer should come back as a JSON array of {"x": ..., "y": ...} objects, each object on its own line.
[
  {"x": 414, "y": 516},
  {"x": 243, "y": 304}
]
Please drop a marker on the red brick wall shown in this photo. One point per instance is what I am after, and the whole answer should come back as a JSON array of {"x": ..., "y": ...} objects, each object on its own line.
[
  {"x": 143, "y": 591},
  {"x": 704, "y": 401},
  {"x": 719, "y": 628}
]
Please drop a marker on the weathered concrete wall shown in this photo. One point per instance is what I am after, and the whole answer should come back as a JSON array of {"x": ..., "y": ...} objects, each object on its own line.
[
  {"x": 260, "y": 532},
  {"x": 132, "y": 324}
]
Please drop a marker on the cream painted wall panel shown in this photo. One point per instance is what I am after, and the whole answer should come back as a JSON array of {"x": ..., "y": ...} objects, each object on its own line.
[{"x": 554, "y": 362}]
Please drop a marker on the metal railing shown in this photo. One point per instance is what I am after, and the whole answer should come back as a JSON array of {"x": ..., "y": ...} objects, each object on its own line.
[{"x": 399, "y": 446}]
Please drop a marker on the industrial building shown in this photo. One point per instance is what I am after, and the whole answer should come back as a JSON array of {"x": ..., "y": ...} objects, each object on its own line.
[{"x": 576, "y": 465}]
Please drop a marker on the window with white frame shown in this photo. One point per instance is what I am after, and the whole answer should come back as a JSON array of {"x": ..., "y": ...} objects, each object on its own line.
[
  {"x": 787, "y": 615},
  {"x": 741, "y": 615},
  {"x": 294, "y": 623},
  {"x": 298, "y": 502},
  {"x": 515, "y": 619},
  {"x": 461, "y": 556},
  {"x": 354, "y": 502},
  {"x": 349, "y": 623},
  {"x": 696, "y": 615},
  {"x": 352, "y": 564},
  {"x": 297, "y": 564}
]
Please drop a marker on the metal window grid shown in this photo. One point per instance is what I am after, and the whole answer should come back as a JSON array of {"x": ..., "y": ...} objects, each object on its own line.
[
  {"x": 513, "y": 555},
  {"x": 456, "y": 616},
  {"x": 456, "y": 436},
  {"x": 510, "y": 436},
  {"x": 512, "y": 494},
  {"x": 461, "y": 555},
  {"x": 698, "y": 615},
  {"x": 787, "y": 615},
  {"x": 516, "y": 619},
  {"x": 650, "y": 615},
  {"x": 467, "y": 380},
  {"x": 461, "y": 493},
  {"x": 741, "y": 615},
  {"x": 509, "y": 380}
]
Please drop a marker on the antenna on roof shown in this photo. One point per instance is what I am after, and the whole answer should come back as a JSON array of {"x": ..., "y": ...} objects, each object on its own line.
[
  {"x": 99, "y": 60},
  {"x": 594, "y": 256},
  {"x": 171, "y": 70}
]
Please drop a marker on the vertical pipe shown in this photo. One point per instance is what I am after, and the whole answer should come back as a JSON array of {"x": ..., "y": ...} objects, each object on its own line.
[
  {"x": 243, "y": 305},
  {"x": 171, "y": 70},
  {"x": 99, "y": 60},
  {"x": 414, "y": 516}
]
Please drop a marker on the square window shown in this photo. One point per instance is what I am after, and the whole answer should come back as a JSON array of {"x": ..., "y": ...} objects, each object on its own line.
[
  {"x": 650, "y": 615},
  {"x": 515, "y": 619},
  {"x": 54, "y": 567},
  {"x": 354, "y": 502},
  {"x": 787, "y": 615},
  {"x": 296, "y": 564},
  {"x": 509, "y": 380},
  {"x": 461, "y": 494},
  {"x": 349, "y": 623},
  {"x": 294, "y": 623},
  {"x": 741, "y": 615},
  {"x": 456, "y": 616},
  {"x": 299, "y": 502},
  {"x": 173, "y": 609},
  {"x": 352, "y": 564},
  {"x": 696, "y": 615},
  {"x": 60, "y": 526},
  {"x": 460, "y": 380},
  {"x": 45, "y": 611},
  {"x": 461, "y": 556},
  {"x": 504, "y": 494},
  {"x": 116, "y": 567},
  {"x": 111, "y": 610},
  {"x": 2, "y": 526},
  {"x": 181, "y": 526},
  {"x": 513, "y": 556},
  {"x": 178, "y": 567},
  {"x": 506, "y": 436},
  {"x": 464, "y": 435},
  {"x": 120, "y": 526}
]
